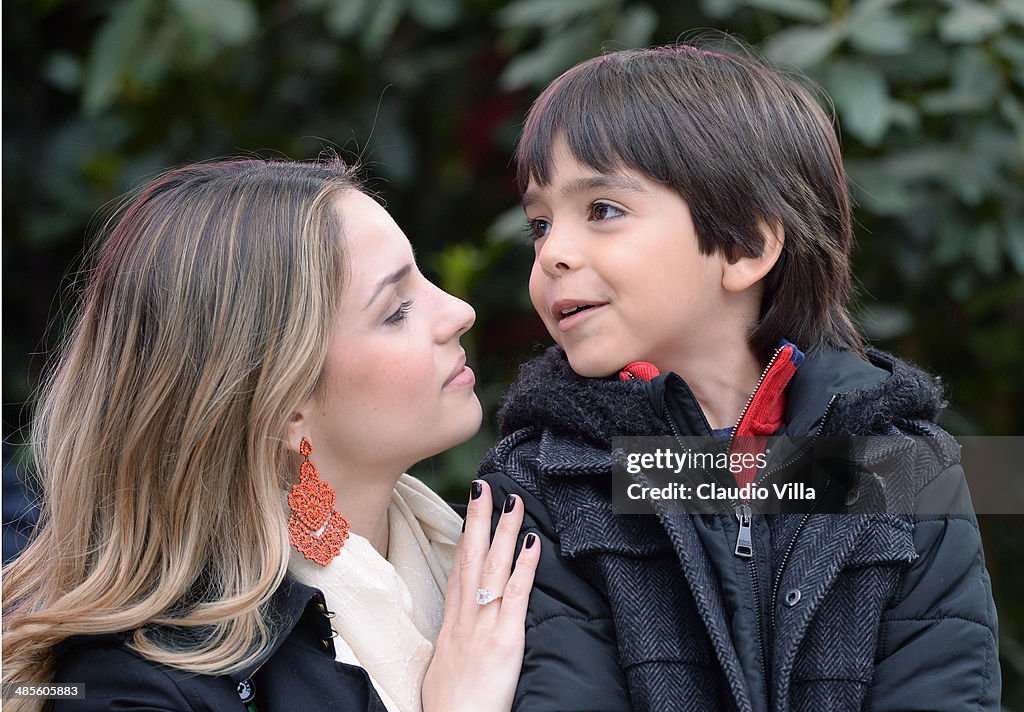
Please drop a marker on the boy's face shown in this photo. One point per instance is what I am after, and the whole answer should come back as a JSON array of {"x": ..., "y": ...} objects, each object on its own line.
[{"x": 624, "y": 248}]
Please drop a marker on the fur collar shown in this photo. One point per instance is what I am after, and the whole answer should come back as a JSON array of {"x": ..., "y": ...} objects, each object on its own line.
[{"x": 873, "y": 396}]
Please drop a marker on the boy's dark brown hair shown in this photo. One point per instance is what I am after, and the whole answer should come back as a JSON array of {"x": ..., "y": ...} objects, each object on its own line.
[{"x": 743, "y": 145}]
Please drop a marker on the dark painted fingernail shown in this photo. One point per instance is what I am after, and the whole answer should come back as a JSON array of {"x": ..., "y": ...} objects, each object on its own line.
[
  {"x": 531, "y": 539},
  {"x": 476, "y": 490},
  {"x": 510, "y": 503}
]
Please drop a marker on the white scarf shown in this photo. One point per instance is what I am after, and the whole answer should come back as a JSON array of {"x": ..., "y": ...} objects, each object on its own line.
[{"x": 388, "y": 612}]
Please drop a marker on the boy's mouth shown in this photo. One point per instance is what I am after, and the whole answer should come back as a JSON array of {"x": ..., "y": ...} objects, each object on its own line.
[{"x": 565, "y": 308}]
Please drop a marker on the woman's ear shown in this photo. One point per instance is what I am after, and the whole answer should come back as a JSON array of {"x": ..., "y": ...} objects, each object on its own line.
[
  {"x": 297, "y": 428},
  {"x": 748, "y": 271}
]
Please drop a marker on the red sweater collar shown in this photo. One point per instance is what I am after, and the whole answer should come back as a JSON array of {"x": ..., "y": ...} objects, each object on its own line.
[{"x": 766, "y": 410}]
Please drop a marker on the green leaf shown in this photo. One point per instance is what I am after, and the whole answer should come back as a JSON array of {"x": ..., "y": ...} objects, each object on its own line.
[
  {"x": 975, "y": 85},
  {"x": 163, "y": 47},
  {"x": 950, "y": 242},
  {"x": 802, "y": 10},
  {"x": 381, "y": 27},
  {"x": 551, "y": 58},
  {"x": 884, "y": 321},
  {"x": 635, "y": 27},
  {"x": 1012, "y": 110},
  {"x": 509, "y": 227},
  {"x": 347, "y": 17},
  {"x": 1011, "y": 48},
  {"x": 1013, "y": 10},
  {"x": 112, "y": 54},
  {"x": 880, "y": 32},
  {"x": 435, "y": 14},
  {"x": 904, "y": 115},
  {"x": 803, "y": 46},
  {"x": 969, "y": 22},
  {"x": 930, "y": 163},
  {"x": 719, "y": 9},
  {"x": 231, "y": 22},
  {"x": 985, "y": 250},
  {"x": 1014, "y": 238},
  {"x": 981, "y": 164},
  {"x": 544, "y": 13},
  {"x": 877, "y": 190},
  {"x": 457, "y": 266},
  {"x": 64, "y": 71},
  {"x": 950, "y": 102},
  {"x": 862, "y": 97}
]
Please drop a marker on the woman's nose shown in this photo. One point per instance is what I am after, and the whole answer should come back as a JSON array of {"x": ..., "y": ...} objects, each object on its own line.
[{"x": 458, "y": 317}]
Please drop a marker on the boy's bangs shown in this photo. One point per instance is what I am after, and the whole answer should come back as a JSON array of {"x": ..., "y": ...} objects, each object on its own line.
[{"x": 596, "y": 122}]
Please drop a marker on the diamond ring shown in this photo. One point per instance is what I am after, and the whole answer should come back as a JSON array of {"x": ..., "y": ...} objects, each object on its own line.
[{"x": 485, "y": 596}]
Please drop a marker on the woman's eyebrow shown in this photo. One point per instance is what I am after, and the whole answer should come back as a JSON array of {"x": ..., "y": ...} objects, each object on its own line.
[
  {"x": 613, "y": 181},
  {"x": 397, "y": 276}
]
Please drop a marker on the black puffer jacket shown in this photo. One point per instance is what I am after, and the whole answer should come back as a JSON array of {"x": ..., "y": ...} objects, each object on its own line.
[{"x": 883, "y": 611}]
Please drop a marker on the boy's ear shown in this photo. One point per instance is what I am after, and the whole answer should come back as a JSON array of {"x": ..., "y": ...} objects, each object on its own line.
[{"x": 747, "y": 271}]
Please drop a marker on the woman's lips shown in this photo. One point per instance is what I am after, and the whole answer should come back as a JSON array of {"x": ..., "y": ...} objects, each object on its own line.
[{"x": 462, "y": 376}]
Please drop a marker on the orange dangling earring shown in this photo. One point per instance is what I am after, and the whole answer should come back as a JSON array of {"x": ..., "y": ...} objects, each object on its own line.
[{"x": 315, "y": 528}]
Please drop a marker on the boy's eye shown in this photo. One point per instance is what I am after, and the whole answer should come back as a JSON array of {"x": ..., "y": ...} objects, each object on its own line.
[
  {"x": 537, "y": 228},
  {"x": 604, "y": 211},
  {"x": 399, "y": 314}
]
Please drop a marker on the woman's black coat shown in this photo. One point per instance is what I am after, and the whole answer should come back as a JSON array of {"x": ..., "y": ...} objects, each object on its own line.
[{"x": 299, "y": 672}]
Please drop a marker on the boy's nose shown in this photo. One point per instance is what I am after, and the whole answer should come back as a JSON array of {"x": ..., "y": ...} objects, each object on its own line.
[{"x": 558, "y": 253}]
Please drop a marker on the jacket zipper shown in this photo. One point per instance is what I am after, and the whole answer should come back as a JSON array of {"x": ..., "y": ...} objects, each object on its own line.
[
  {"x": 744, "y": 538},
  {"x": 740, "y": 539},
  {"x": 764, "y": 375},
  {"x": 756, "y": 583},
  {"x": 744, "y": 541},
  {"x": 745, "y": 547}
]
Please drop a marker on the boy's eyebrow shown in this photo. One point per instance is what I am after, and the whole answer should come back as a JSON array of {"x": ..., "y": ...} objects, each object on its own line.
[
  {"x": 397, "y": 276},
  {"x": 612, "y": 181}
]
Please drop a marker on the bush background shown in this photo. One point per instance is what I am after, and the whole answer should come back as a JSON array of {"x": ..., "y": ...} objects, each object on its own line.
[{"x": 429, "y": 94}]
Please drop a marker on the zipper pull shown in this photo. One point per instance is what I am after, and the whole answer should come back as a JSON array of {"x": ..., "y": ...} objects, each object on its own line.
[{"x": 744, "y": 542}]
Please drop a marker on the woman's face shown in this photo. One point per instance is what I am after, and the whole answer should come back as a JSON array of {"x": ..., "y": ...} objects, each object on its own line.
[{"x": 395, "y": 387}]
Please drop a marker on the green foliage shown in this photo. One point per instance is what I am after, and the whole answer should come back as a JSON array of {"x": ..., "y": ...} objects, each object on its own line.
[
  {"x": 429, "y": 94},
  {"x": 571, "y": 30}
]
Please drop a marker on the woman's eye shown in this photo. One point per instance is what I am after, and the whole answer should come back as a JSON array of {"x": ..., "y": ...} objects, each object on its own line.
[
  {"x": 604, "y": 211},
  {"x": 399, "y": 314},
  {"x": 537, "y": 228}
]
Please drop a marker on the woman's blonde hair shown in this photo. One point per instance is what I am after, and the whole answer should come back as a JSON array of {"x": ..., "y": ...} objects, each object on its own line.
[{"x": 159, "y": 436}]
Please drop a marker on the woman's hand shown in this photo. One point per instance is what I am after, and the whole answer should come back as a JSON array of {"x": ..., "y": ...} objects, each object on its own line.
[{"x": 479, "y": 652}]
